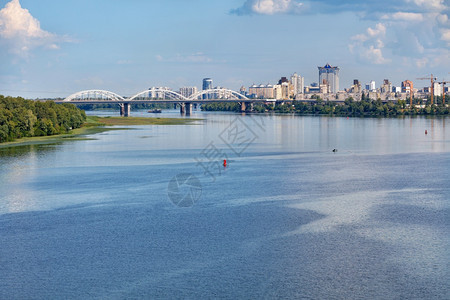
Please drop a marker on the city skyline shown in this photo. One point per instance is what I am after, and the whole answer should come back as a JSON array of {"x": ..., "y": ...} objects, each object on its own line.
[{"x": 54, "y": 48}]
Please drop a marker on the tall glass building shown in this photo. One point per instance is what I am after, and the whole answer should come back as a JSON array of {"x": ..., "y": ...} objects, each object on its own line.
[
  {"x": 207, "y": 84},
  {"x": 329, "y": 75}
]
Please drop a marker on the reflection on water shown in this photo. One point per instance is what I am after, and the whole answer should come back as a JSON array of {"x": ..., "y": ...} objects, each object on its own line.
[
  {"x": 18, "y": 164},
  {"x": 287, "y": 218}
]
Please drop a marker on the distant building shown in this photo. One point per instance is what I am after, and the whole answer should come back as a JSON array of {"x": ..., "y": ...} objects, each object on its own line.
[
  {"x": 324, "y": 88},
  {"x": 298, "y": 84},
  {"x": 283, "y": 79},
  {"x": 386, "y": 87},
  {"x": 330, "y": 76},
  {"x": 312, "y": 89},
  {"x": 277, "y": 92},
  {"x": 372, "y": 86},
  {"x": 438, "y": 89},
  {"x": 407, "y": 86},
  {"x": 242, "y": 91},
  {"x": 188, "y": 91},
  {"x": 356, "y": 87},
  {"x": 261, "y": 91},
  {"x": 207, "y": 85},
  {"x": 158, "y": 92},
  {"x": 286, "y": 90}
]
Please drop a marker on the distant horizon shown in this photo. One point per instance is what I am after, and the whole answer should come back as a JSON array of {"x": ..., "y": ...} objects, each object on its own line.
[
  {"x": 199, "y": 87},
  {"x": 51, "y": 48}
]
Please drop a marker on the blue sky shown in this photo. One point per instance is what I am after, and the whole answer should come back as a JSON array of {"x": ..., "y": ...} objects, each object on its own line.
[{"x": 52, "y": 48}]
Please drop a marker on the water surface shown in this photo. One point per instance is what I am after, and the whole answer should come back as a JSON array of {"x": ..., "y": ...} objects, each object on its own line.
[{"x": 287, "y": 218}]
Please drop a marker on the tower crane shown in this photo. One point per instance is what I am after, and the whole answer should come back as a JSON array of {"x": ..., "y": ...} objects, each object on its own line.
[
  {"x": 432, "y": 85},
  {"x": 443, "y": 90}
]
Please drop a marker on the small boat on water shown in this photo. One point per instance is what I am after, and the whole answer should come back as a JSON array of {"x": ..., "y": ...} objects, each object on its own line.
[{"x": 155, "y": 111}]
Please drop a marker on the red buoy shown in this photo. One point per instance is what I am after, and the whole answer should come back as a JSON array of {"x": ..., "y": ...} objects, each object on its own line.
[
  {"x": 224, "y": 162},
  {"x": 426, "y": 132}
]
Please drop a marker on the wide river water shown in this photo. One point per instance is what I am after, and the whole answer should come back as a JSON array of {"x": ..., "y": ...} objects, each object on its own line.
[{"x": 151, "y": 212}]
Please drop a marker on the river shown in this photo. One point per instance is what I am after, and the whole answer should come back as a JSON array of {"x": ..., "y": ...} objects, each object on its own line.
[{"x": 151, "y": 212}]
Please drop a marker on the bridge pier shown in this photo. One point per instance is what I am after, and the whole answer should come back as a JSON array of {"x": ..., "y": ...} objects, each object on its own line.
[
  {"x": 243, "y": 106},
  {"x": 188, "y": 108},
  {"x": 246, "y": 106},
  {"x": 182, "y": 111},
  {"x": 125, "y": 109}
]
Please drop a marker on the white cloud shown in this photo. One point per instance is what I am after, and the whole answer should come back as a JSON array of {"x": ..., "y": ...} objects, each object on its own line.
[
  {"x": 21, "y": 32},
  {"x": 369, "y": 46},
  {"x": 445, "y": 35},
  {"x": 269, "y": 7},
  {"x": 429, "y": 4},
  {"x": 409, "y": 29},
  {"x": 379, "y": 30},
  {"x": 375, "y": 55},
  {"x": 404, "y": 16},
  {"x": 407, "y": 33},
  {"x": 442, "y": 19}
]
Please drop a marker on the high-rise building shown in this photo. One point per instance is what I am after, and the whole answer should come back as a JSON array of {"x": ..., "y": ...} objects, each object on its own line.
[
  {"x": 207, "y": 85},
  {"x": 329, "y": 75},
  {"x": 372, "y": 85},
  {"x": 187, "y": 91},
  {"x": 356, "y": 87},
  {"x": 298, "y": 84},
  {"x": 437, "y": 89},
  {"x": 407, "y": 86},
  {"x": 286, "y": 88},
  {"x": 386, "y": 87}
]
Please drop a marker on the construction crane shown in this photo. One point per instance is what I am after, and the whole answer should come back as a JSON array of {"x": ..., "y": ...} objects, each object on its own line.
[
  {"x": 432, "y": 85},
  {"x": 443, "y": 91}
]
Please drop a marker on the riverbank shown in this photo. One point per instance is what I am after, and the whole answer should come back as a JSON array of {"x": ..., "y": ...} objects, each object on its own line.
[
  {"x": 350, "y": 108},
  {"x": 95, "y": 125}
]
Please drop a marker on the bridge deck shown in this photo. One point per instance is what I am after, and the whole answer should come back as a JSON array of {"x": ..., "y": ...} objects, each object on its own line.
[{"x": 189, "y": 101}]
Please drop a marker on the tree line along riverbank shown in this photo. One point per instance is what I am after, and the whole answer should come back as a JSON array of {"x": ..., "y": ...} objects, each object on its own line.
[
  {"x": 24, "y": 122},
  {"x": 21, "y": 118},
  {"x": 365, "y": 107}
]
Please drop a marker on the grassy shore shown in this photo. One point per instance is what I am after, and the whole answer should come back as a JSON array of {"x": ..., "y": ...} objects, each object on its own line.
[
  {"x": 121, "y": 121},
  {"x": 95, "y": 125}
]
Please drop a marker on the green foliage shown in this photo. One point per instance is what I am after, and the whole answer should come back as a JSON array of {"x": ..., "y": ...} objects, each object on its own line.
[
  {"x": 221, "y": 107},
  {"x": 25, "y": 118},
  {"x": 350, "y": 107}
]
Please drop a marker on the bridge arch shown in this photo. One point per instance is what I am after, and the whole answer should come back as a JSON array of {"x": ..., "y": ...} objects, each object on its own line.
[
  {"x": 157, "y": 94},
  {"x": 94, "y": 95},
  {"x": 225, "y": 94}
]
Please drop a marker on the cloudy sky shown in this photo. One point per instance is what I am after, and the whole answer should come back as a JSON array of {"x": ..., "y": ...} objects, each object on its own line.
[{"x": 52, "y": 48}]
